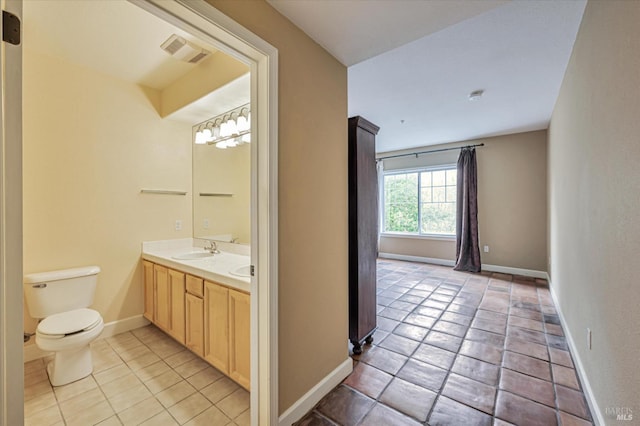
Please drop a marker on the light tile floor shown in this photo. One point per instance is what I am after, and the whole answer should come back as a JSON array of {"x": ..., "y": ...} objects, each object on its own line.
[
  {"x": 456, "y": 348},
  {"x": 142, "y": 377}
]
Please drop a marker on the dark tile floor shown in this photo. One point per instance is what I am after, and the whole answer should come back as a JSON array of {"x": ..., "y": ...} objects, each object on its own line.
[{"x": 457, "y": 348}]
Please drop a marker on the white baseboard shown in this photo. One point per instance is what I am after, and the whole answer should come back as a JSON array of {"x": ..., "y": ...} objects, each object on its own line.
[
  {"x": 32, "y": 351},
  {"x": 446, "y": 262},
  {"x": 421, "y": 259},
  {"x": 316, "y": 393},
  {"x": 123, "y": 325},
  {"x": 515, "y": 271},
  {"x": 586, "y": 386}
]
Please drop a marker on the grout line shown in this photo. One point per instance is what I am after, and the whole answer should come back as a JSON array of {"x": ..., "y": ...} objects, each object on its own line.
[
  {"x": 553, "y": 380},
  {"x": 504, "y": 349},
  {"x": 450, "y": 369}
]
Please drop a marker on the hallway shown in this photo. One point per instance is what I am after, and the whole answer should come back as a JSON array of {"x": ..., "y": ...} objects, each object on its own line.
[{"x": 456, "y": 348}]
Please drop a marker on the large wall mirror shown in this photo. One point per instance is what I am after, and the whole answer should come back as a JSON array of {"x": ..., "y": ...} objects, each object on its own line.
[
  {"x": 222, "y": 166},
  {"x": 214, "y": 98}
]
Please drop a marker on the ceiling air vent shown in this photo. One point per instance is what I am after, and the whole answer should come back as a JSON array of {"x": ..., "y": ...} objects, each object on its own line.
[{"x": 184, "y": 50}]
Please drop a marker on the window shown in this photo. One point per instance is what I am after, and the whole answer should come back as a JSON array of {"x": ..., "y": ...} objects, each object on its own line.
[{"x": 421, "y": 202}]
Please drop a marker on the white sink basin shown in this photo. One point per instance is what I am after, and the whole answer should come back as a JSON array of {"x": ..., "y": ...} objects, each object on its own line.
[
  {"x": 242, "y": 271},
  {"x": 193, "y": 255}
]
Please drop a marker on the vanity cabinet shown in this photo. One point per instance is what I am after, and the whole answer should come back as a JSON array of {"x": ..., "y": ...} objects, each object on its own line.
[
  {"x": 169, "y": 301},
  {"x": 239, "y": 338},
  {"x": 194, "y": 315},
  {"x": 216, "y": 327},
  {"x": 210, "y": 319}
]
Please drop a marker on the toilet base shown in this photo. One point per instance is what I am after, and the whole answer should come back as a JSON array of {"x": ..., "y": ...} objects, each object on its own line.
[{"x": 69, "y": 366}]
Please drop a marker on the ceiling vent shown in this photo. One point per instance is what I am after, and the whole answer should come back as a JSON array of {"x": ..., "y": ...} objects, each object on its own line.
[{"x": 184, "y": 50}]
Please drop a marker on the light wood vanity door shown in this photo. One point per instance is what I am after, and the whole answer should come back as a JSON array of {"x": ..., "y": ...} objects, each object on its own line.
[
  {"x": 194, "y": 333},
  {"x": 239, "y": 338},
  {"x": 216, "y": 326},
  {"x": 176, "y": 282},
  {"x": 148, "y": 289},
  {"x": 162, "y": 299}
]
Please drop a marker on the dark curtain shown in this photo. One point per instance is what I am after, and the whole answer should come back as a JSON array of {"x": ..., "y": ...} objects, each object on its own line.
[{"x": 467, "y": 248}]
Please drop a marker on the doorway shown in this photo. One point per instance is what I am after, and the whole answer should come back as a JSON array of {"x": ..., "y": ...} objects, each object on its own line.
[{"x": 206, "y": 23}]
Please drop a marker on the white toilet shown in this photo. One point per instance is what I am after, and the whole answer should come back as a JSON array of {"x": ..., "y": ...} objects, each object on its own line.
[{"x": 60, "y": 299}]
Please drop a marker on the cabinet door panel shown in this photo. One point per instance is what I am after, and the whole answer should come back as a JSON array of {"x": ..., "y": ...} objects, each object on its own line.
[
  {"x": 162, "y": 297},
  {"x": 176, "y": 282},
  {"x": 194, "y": 332},
  {"x": 239, "y": 338},
  {"x": 148, "y": 289},
  {"x": 216, "y": 325}
]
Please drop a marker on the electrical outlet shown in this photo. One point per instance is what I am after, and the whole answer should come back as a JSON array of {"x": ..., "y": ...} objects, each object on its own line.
[
  {"x": 205, "y": 224},
  {"x": 178, "y": 225},
  {"x": 486, "y": 249},
  {"x": 589, "y": 338}
]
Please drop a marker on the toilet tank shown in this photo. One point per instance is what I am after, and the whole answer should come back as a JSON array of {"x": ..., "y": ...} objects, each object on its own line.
[{"x": 48, "y": 293}]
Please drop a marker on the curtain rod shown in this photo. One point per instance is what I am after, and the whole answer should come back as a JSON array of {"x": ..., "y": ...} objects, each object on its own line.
[{"x": 428, "y": 152}]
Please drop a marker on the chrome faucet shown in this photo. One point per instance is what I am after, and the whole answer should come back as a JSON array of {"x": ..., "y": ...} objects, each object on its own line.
[{"x": 212, "y": 248}]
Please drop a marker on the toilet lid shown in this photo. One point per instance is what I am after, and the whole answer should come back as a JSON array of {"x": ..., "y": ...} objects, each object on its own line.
[{"x": 69, "y": 322}]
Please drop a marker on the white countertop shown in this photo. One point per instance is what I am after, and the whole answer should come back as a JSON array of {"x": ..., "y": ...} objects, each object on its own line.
[{"x": 216, "y": 268}]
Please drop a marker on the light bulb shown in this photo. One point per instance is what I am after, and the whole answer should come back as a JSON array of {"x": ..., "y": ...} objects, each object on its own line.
[
  {"x": 216, "y": 133},
  {"x": 246, "y": 138},
  {"x": 243, "y": 122},
  {"x": 232, "y": 142},
  {"x": 207, "y": 133},
  {"x": 221, "y": 145},
  {"x": 224, "y": 130},
  {"x": 200, "y": 138},
  {"x": 231, "y": 125}
]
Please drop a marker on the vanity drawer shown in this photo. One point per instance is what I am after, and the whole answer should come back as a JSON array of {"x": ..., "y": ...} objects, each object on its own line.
[{"x": 195, "y": 286}]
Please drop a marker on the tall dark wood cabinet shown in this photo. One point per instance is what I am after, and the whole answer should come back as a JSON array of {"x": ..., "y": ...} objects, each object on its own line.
[{"x": 363, "y": 231}]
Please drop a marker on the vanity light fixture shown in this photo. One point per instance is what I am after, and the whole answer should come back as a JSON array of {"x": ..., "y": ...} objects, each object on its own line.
[{"x": 226, "y": 130}]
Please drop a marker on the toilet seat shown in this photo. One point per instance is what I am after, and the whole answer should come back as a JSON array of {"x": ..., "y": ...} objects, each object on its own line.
[{"x": 63, "y": 324}]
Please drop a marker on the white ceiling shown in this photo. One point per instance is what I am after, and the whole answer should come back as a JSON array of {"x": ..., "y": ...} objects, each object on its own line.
[
  {"x": 517, "y": 51},
  {"x": 355, "y": 30},
  {"x": 120, "y": 39}
]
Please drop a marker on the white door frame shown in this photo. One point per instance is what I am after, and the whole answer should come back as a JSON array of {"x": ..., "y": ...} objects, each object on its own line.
[
  {"x": 204, "y": 21},
  {"x": 11, "y": 320}
]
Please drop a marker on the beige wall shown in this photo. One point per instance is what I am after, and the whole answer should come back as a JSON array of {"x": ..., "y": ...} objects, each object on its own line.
[
  {"x": 511, "y": 202},
  {"x": 222, "y": 171},
  {"x": 312, "y": 200},
  {"x": 432, "y": 248},
  {"x": 594, "y": 147},
  {"x": 91, "y": 142}
]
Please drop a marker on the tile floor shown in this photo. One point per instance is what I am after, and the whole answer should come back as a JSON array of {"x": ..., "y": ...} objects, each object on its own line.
[
  {"x": 457, "y": 348},
  {"x": 140, "y": 377}
]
